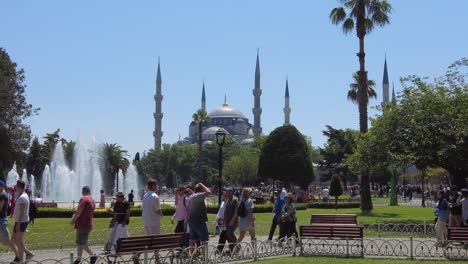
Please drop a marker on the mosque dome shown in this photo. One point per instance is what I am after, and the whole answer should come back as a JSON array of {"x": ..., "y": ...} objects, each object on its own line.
[
  {"x": 211, "y": 131},
  {"x": 247, "y": 142},
  {"x": 226, "y": 111}
]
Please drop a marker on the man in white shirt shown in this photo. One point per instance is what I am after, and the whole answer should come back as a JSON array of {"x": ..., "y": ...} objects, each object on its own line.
[
  {"x": 21, "y": 221},
  {"x": 325, "y": 194},
  {"x": 151, "y": 210}
]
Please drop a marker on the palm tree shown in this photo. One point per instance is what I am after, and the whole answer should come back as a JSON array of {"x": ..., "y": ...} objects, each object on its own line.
[
  {"x": 354, "y": 89},
  {"x": 365, "y": 14},
  {"x": 113, "y": 158},
  {"x": 200, "y": 117}
]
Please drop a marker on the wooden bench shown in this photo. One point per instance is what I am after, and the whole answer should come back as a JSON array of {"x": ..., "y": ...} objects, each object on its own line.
[
  {"x": 139, "y": 244},
  {"x": 457, "y": 234},
  {"x": 334, "y": 219},
  {"x": 332, "y": 232}
]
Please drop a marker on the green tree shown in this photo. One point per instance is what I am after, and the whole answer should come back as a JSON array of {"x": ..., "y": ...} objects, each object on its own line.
[
  {"x": 340, "y": 144},
  {"x": 15, "y": 135},
  {"x": 200, "y": 117},
  {"x": 113, "y": 158},
  {"x": 50, "y": 141},
  {"x": 242, "y": 169},
  {"x": 365, "y": 14},
  {"x": 68, "y": 151},
  {"x": 285, "y": 156},
  {"x": 34, "y": 163},
  {"x": 335, "y": 188},
  {"x": 354, "y": 89}
]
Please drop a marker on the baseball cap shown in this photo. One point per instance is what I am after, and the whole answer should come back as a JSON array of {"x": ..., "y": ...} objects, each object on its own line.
[
  {"x": 2, "y": 183},
  {"x": 229, "y": 189}
]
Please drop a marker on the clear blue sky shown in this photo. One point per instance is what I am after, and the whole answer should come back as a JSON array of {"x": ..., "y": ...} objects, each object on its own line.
[{"x": 91, "y": 65}]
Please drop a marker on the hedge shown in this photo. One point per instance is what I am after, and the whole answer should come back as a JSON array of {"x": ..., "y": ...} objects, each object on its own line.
[
  {"x": 332, "y": 205},
  {"x": 136, "y": 211},
  {"x": 98, "y": 213}
]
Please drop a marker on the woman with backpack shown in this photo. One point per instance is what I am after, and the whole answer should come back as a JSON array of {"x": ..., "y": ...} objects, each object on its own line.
[{"x": 245, "y": 213}]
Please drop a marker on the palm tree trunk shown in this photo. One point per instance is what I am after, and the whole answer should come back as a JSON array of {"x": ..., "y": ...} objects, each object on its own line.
[{"x": 366, "y": 201}]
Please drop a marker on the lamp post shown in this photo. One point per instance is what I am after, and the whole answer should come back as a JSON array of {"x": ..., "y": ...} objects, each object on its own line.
[{"x": 220, "y": 138}]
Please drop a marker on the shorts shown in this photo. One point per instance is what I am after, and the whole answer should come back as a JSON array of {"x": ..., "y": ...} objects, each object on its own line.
[
  {"x": 199, "y": 231},
  {"x": 23, "y": 227},
  {"x": 82, "y": 236},
  {"x": 4, "y": 233},
  {"x": 152, "y": 230}
]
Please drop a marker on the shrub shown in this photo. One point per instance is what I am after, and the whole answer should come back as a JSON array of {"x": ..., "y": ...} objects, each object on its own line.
[
  {"x": 333, "y": 206},
  {"x": 98, "y": 213}
]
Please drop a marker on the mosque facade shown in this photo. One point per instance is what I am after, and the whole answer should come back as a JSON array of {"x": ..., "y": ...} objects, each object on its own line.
[{"x": 233, "y": 121}]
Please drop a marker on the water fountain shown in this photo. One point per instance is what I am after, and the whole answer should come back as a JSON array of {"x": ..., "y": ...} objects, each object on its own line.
[
  {"x": 62, "y": 183},
  {"x": 12, "y": 176}
]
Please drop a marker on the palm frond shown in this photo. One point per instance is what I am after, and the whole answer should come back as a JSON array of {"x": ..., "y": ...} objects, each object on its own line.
[
  {"x": 337, "y": 15},
  {"x": 369, "y": 24},
  {"x": 348, "y": 25},
  {"x": 371, "y": 93}
]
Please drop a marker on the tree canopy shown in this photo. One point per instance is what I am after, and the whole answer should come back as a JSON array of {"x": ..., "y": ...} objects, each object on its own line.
[{"x": 285, "y": 156}]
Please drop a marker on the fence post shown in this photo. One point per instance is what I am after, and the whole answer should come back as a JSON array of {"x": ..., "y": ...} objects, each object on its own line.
[
  {"x": 145, "y": 256},
  {"x": 255, "y": 247},
  {"x": 71, "y": 257},
  {"x": 411, "y": 248},
  {"x": 294, "y": 245},
  {"x": 347, "y": 247},
  {"x": 378, "y": 229},
  {"x": 425, "y": 229},
  {"x": 206, "y": 253}
]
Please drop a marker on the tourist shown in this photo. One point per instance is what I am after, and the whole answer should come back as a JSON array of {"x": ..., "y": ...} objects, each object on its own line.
[
  {"x": 4, "y": 233},
  {"x": 230, "y": 217},
  {"x": 325, "y": 194},
  {"x": 120, "y": 220},
  {"x": 197, "y": 216},
  {"x": 131, "y": 197},
  {"x": 82, "y": 220},
  {"x": 246, "y": 218},
  {"x": 102, "y": 200},
  {"x": 441, "y": 212},
  {"x": 181, "y": 209},
  {"x": 21, "y": 221},
  {"x": 151, "y": 210},
  {"x": 455, "y": 208},
  {"x": 279, "y": 202},
  {"x": 219, "y": 220},
  {"x": 288, "y": 216}
]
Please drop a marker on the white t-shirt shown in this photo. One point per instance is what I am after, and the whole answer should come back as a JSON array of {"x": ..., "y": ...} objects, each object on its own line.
[
  {"x": 325, "y": 193},
  {"x": 149, "y": 209},
  {"x": 22, "y": 199}
]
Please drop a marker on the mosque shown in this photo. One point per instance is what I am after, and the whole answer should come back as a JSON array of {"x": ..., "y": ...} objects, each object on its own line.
[{"x": 233, "y": 121}]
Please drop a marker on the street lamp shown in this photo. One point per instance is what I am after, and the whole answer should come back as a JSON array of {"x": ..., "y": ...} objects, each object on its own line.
[{"x": 220, "y": 138}]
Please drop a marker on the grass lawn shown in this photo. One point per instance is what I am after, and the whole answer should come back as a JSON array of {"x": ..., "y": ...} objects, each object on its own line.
[
  {"x": 328, "y": 260},
  {"x": 394, "y": 214}
]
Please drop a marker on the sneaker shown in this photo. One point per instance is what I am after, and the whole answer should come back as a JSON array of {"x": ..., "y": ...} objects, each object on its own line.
[
  {"x": 16, "y": 260},
  {"x": 77, "y": 261},
  {"x": 30, "y": 255}
]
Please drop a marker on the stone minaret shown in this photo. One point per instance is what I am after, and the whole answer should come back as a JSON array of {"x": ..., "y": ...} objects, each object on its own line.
[
  {"x": 394, "y": 102},
  {"x": 286, "y": 109},
  {"x": 385, "y": 86},
  {"x": 203, "y": 98},
  {"x": 158, "y": 115},
  {"x": 257, "y": 110}
]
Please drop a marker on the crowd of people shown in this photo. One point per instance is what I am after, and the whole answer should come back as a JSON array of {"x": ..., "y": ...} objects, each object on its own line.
[{"x": 236, "y": 212}]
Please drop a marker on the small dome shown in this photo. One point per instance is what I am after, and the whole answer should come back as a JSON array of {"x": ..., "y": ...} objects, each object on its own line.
[
  {"x": 211, "y": 131},
  {"x": 247, "y": 141},
  {"x": 207, "y": 142}
]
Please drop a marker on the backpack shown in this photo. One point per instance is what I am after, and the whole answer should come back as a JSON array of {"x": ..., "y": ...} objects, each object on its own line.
[{"x": 242, "y": 210}]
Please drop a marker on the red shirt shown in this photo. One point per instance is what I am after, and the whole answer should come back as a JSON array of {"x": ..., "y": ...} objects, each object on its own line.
[{"x": 85, "y": 221}]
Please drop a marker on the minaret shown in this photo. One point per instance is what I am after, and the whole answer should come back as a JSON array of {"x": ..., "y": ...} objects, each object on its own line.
[
  {"x": 385, "y": 86},
  {"x": 257, "y": 92},
  {"x": 203, "y": 98},
  {"x": 286, "y": 109},
  {"x": 393, "y": 95},
  {"x": 158, "y": 115}
]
